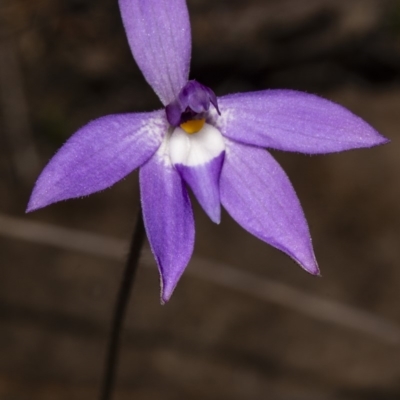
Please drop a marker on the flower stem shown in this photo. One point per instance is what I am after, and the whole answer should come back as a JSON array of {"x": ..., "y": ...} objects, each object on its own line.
[{"x": 121, "y": 304}]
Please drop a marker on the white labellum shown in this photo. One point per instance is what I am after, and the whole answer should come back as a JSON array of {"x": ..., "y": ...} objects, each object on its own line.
[{"x": 195, "y": 149}]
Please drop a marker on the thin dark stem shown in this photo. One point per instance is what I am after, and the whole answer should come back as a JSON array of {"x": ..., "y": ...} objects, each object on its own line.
[{"x": 121, "y": 305}]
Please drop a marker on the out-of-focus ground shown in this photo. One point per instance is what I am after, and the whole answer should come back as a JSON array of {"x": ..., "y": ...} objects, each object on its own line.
[{"x": 63, "y": 63}]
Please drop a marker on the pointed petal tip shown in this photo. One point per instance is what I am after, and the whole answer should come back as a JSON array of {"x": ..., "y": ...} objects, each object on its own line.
[
  {"x": 166, "y": 293},
  {"x": 374, "y": 139},
  {"x": 30, "y": 209},
  {"x": 315, "y": 271},
  {"x": 383, "y": 140},
  {"x": 309, "y": 262},
  {"x": 311, "y": 267},
  {"x": 33, "y": 204},
  {"x": 216, "y": 218},
  {"x": 41, "y": 198},
  {"x": 214, "y": 213},
  {"x": 163, "y": 300}
]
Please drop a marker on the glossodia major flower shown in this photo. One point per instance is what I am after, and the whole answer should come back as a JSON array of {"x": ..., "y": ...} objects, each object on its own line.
[{"x": 213, "y": 146}]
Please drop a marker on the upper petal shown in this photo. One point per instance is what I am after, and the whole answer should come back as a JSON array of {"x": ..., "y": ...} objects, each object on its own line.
[
  {"x": 293, "y": 121},
  {"x": 257, "y": 193},
  {"x": 99, "y": 155},
  {"x": 158, "y": 33},
  {"x": 168, "y": 218}
]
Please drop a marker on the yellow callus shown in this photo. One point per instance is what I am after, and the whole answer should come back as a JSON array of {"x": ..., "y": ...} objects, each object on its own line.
[{"x": 193, "y": 125}]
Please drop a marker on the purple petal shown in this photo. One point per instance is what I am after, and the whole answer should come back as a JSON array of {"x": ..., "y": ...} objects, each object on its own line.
[
  {"x": 158, "y": 33},
  {"x": 257, "y": 193},
  {"x": 100, "y": 154},
  {"x": 293, "y": 121},
  {"x": 168, "y": 219},
  {"x": 204, "y": 181}
]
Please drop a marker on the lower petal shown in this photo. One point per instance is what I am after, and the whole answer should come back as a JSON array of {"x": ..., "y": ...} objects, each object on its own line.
[
  {"x": 168, "y": 218},
  {"x": 257, "y": 193}
]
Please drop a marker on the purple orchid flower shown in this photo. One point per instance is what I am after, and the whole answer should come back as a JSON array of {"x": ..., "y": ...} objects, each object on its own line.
[{"x": 214, "y": 146}]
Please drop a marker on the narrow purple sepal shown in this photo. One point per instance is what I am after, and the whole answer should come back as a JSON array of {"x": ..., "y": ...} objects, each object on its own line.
[
  {"x": 257, "y": 193},
  {"x": 174, "y": 112},
  {"x": 213, "y": 99},
  {"x": 98, "y": 155},
  {"x": 293, "y": 121},
  {"x": 168, "y": 218},
  {"x": 204, "y": 181},
  {"x": 159, "y": 35}
]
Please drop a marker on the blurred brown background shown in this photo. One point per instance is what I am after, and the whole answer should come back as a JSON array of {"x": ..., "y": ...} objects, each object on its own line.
[{"x": 245, "y": 322}]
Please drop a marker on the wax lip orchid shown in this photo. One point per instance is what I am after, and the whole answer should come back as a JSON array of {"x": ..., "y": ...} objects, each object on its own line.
[{"x": 213, "y": 145}]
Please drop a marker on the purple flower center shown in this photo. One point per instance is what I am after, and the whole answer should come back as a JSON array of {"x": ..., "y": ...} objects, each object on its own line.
[{"x": 192, "y": 103}]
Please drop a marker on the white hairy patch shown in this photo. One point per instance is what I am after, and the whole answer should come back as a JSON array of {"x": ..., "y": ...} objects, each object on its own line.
[{"x": 197, "y": 148}]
